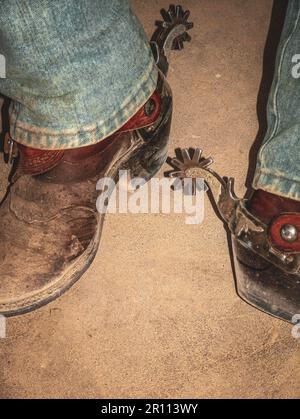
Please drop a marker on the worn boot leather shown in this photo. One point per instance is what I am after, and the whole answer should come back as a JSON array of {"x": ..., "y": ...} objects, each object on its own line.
[{"x": 49, "y": 225}]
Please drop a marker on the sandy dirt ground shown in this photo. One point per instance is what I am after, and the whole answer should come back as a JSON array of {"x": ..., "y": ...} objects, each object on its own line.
[{"x": 157, "y": 315}]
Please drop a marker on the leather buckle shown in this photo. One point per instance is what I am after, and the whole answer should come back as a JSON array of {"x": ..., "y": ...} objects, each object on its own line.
[{"x": 10, "y": 148}]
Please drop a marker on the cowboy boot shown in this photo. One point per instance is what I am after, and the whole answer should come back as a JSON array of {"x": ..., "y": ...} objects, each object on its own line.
[
  {"x": 264, "y": 237},
  {"x": 49, "y": 226},
  {"x": 272, "y": 283}
]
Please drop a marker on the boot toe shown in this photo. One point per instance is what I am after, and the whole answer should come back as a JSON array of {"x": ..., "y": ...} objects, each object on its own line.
[{"x": 41, "y": 259}]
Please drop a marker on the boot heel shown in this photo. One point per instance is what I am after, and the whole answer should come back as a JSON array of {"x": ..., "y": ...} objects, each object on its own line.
[
  {"x": 147, "y": 162},
  {"x": 151, "y": 156}
]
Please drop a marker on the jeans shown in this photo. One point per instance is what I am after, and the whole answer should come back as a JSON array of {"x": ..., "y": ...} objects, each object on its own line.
[
  {"x": 278, "y": 165},
  {"x": 76, "y": 70}
]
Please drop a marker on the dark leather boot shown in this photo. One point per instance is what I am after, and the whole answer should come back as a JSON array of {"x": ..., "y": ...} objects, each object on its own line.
[
  {"x": 49, "y": 225},
  {"x": 268, "y": 255}
]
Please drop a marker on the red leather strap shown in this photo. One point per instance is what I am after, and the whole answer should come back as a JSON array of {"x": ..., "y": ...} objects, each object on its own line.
[
  {"x": 276, "y": 227},
  {"x": 34, "y": 162},
  {"x": 37, "y": 161}
]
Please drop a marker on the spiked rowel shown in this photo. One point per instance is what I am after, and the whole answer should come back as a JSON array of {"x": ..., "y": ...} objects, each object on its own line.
[
  {"x": 188, "y": 165},
  {"x": 171, "y": 33}
]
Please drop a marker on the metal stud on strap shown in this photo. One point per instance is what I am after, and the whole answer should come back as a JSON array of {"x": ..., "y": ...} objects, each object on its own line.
[{"x": 10, "y": 148}]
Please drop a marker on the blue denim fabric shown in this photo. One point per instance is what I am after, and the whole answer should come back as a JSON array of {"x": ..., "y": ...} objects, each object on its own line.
[
  {"x": 278, "y": 166},
  {"x": 76, "y": 70}
]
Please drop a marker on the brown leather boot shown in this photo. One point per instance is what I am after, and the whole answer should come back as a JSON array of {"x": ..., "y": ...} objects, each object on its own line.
[{"x": 49, "y": 225}]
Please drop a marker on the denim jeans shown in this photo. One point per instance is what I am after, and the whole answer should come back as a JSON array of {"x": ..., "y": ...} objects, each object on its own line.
[
  {"x": 278, "y": 165},
  {"x": 76, "y": 70}
]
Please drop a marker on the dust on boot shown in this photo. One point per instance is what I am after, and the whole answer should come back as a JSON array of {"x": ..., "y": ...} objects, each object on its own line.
[{"x": 49, "y": 225}]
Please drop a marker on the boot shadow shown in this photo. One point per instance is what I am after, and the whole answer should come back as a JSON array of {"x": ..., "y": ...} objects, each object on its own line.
[
  {"x": 4, "y": 119},
  {"x": 269, "y": 61}
]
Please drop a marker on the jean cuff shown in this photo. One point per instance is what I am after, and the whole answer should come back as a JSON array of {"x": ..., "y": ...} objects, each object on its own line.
[
  {"x": 277, "y": 184},
  {"x": 34, "y": 136}
]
